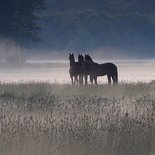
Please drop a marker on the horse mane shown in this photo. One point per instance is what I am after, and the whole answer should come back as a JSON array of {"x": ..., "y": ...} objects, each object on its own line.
[
  {"x": 71, "y": 58},
  {"x": 80, "y": 58},
  {"x": 71, "y": 55},
  {"x": 88, "y": 58}
]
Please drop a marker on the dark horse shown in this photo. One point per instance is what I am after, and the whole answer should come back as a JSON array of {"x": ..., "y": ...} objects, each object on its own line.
[
  {"x": 95, "y": 70},
  {"x": 74, "y": 69},
  {"x": 83, "y": 71}
]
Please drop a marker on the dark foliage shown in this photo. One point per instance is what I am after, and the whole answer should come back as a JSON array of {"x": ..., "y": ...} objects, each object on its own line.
[
  {"x": 91, "y": 24},
  {"x": 81, "y": 24},
  {"x": 18, "y": 19}
]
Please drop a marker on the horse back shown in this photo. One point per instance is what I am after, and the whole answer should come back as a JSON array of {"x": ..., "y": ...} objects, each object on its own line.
[
  {"x": 109, "y": 67},
  {"x": 104, "y": 69},
  {"x": 75, "y": 69}
]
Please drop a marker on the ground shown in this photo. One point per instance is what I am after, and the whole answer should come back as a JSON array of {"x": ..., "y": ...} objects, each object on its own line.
[{"x": 61, "y": 119}]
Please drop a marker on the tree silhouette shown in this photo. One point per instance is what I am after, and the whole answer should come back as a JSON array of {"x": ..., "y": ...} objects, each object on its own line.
[{"x": 18, "y": 19}]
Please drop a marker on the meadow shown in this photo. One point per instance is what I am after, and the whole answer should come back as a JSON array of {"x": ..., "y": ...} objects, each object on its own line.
[{"x": 59, "y": 119}]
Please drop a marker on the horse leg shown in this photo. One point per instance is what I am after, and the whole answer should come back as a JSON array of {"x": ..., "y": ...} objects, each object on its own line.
[
  {"x": 116, "y": 79},
  {"x": 113, "y": 79},
  {"x": 86, "y": 82},
  {"x": 80, "y": 79},
  {"x": 109, "y": 79},
  {"x": 91, "y": 79},
  {"x": 95, "y": 79},
  {"x": 76, "y": 80},
  {"x": 72, "y": 79}
]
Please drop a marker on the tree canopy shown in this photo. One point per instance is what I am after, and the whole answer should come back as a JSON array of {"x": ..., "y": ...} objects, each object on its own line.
[
  {"x": 18, "y": 19},
  {"x": 91, "y": 24},
  {"x": 80, "y": 24}
]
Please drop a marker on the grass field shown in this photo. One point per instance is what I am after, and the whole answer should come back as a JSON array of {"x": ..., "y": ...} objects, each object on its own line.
[{"x": 57, "y": 119}]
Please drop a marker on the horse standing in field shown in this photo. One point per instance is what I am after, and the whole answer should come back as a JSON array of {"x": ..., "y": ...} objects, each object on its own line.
[
  {"x": 81, "y": 61},
  {"x": 84, "y": 71},
  {"x": 95, "y": 70},
  {"x": 74, "y": 69}
]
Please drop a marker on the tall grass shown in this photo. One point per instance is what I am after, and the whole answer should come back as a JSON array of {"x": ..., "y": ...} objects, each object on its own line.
[{"x": 53, "y": 119}]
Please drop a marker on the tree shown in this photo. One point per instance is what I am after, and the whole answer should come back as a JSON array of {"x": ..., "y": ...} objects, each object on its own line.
[
  {"x": 18, "y": 19},
  {"x": 91, "y": 24}
]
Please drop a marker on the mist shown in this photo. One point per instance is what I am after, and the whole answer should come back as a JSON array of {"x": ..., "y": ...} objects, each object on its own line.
[
  {"x": 108, "y": 32},
  {"x": 120, "y": 28},
  {"x": 45, "y": 65},
  {"x": 44, "y": 111}
]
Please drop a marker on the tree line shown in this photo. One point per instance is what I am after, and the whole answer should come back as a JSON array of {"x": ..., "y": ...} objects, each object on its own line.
[
  {"x": 92, "y": 24},
  {"x": 78, "y": 25},
  {"x": 18, "y": 19}
]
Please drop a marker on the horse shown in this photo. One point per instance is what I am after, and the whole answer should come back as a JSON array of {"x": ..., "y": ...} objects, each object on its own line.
[
  {"x": 80, "y": 60},
  {"x": 96, "y": 70},
  {"x": 84, "y": 68},
  {"x": 74, "y": 69},
  {"x": 83, "y": 71}
]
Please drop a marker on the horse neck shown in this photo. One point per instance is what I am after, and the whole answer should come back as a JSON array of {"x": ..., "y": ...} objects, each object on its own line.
[
  {"x": 90, "y": 61},
  {"x": 72, "y": 62},
  {"x": 81, "y": 61}
]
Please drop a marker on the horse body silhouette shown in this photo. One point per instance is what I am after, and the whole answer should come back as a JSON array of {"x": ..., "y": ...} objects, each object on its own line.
[
  {"x": 95, "y": 70},
  {"x": 74, "y": 69},
  {"x": 81, "y": 61},
  {"x": 83, "y": 70}
]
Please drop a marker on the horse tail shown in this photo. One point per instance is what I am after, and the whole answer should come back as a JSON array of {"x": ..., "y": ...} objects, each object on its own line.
[{"x": 116, "y": 77}]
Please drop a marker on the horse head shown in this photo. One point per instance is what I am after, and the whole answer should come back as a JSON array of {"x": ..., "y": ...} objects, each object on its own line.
[
  {"x": 71, "y": 58},
  {"x": 80, "y": 58},
  {"x": 88, "y": 58}
]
